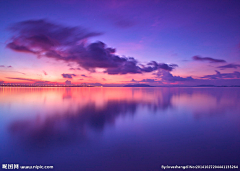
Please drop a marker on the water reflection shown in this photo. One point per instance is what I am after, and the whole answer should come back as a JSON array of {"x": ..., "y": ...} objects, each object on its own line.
[
  {"x": 67, "y": 94},
  {"x": 72, "y": 125},
  {"x": 126, "y": 124}
]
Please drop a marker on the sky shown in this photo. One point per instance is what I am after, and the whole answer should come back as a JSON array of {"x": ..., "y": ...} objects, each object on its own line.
[{"x": 114, "y": 43}]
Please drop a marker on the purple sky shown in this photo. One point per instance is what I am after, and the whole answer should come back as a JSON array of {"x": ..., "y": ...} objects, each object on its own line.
[{"x": 110, "y": 42}]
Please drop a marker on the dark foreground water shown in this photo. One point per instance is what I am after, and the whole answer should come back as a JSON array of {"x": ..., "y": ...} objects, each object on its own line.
[{"x": 125, "y": 129}]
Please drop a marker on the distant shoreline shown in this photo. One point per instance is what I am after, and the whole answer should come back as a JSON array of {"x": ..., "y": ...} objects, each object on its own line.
[
  {"x": 109, "y": 86},
  {"x": 44, "y": 86}
]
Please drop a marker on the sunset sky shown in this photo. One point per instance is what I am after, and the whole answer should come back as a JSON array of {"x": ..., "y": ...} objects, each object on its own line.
[{"x": 110, "y": 42}]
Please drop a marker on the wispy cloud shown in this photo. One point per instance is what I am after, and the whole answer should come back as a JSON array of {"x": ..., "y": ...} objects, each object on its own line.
[
  {"x": 3, "y": 66},
  {"x": 34, "y": 81},
  {"x": 42, "y": 82},
  {"x": 208, "y": 59},
  {"x": 150, "y": 81},
  {"x": 74, "y": 69},
  {"x": 83, "y": 75},
  {"x": 44, "y": 72},
  {"x": 235, "y": 66},
  {"x": 18, "y": 72},
  {"x": 23, "y": 79},
  {"x": 219, "y": 75}
]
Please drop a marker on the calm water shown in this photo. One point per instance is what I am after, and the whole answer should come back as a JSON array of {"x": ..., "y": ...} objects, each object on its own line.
[{"x": 119, "y": 128}]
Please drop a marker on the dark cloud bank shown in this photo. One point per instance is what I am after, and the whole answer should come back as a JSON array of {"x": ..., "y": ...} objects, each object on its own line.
[
  {"x": 44, "y": 38},
  {"x": 47, "y": 39}
]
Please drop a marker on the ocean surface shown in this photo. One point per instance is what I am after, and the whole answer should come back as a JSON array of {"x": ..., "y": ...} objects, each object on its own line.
[{"x": 119, "y": 129}]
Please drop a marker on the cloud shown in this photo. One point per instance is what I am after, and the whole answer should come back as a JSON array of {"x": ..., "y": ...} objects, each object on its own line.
[
  {"x": 212, "y": 60},
  {"x": 44, "y": 38},
  {"x": 96, "y": 84},
  {"x": 124, "y": 66},
  {"x": 15, "y": 72},
  {"x": 6, "y": 66},
  {"x": 130, "y": 66},
  {"x": 68, "y": 82},
  {"x": 42, "y": 82},
  {"x": 146, "y": 81},
  {"x": 150, "y": 81},
  {"x": 29, "y": 79},
  {"x": 14, "y": 46},
  {"x": 74, "y": 69},
  {"x": 235, "y": 66},
  {"x": 103, "y": 79},
  {"x": 152, "y": 66},
  {"x": 44, "y": 35},
  {"x": 133, "y": 80},
  {"x": 18, "y": 72},
  {"x": 68, "y": 76},
  {"x": 44, "y": 72},
  {"x": 219, "y": 75},
  {"x": 168, "y": 77},
  {"x": 24, "y": 79},
  {"x": 83, "y": 75}
]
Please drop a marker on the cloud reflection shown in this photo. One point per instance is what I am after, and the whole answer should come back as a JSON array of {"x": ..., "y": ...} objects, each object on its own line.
[
  {"x": 70, "y": 127},
  {"x": 89, "y": 111}
]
